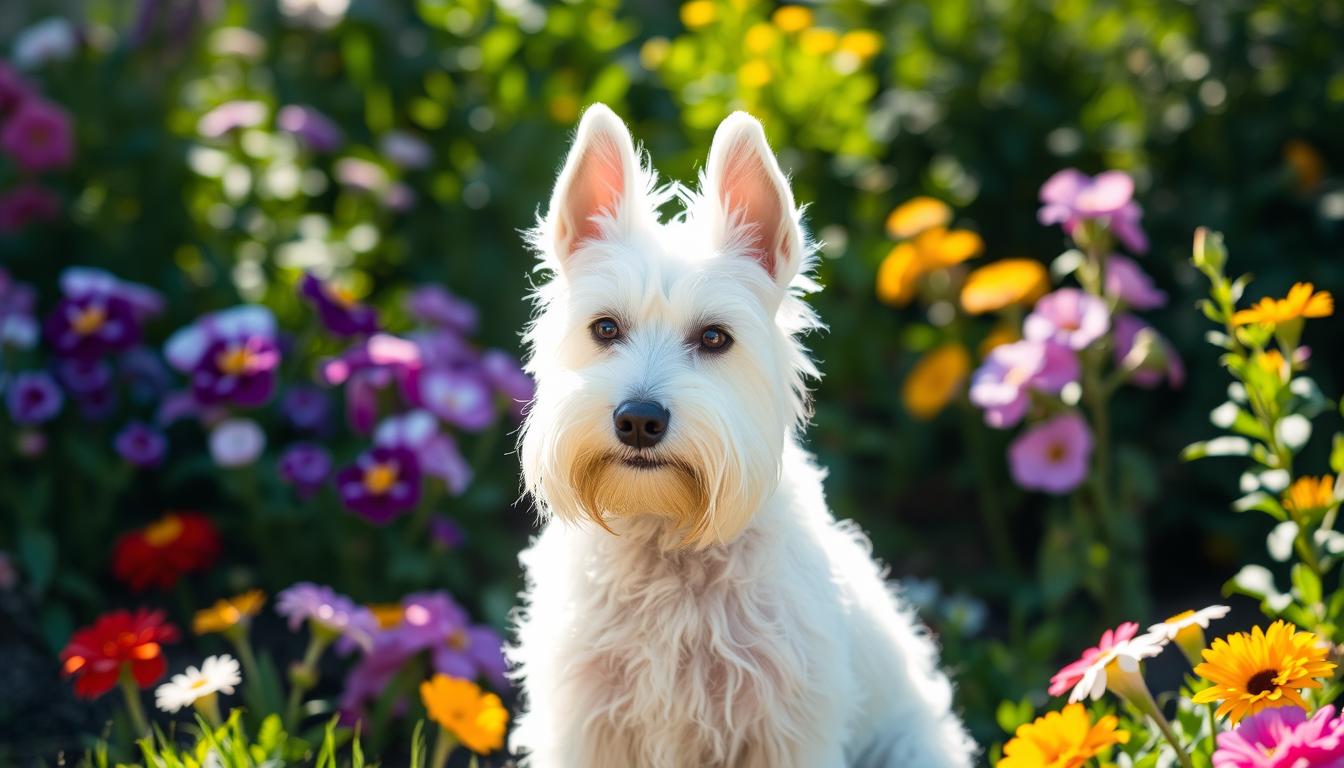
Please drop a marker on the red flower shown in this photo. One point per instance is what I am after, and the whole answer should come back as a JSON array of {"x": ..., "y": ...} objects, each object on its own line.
[
  {"x": 163, "y": 551},
  {"x": 96, "y": 654}
]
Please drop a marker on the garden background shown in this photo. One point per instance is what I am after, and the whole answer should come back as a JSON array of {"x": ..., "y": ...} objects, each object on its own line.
[{"x": 447, "y": 124}]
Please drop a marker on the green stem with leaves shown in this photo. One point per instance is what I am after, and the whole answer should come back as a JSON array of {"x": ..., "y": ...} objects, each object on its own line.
[{"x": 130, "y": 689}]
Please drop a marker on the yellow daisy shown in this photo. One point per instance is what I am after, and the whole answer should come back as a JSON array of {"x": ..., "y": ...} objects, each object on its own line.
[
  {"x": 792, "y": 18},
  {"x": 1303, "y": 300},
  {"x": 1004, "y": 283},
  {"x": 1261, "y": 669},
  {"x": 475, "y": 718},
  {"x": 935, "y": 379},
  {"x": 228, "y": 613},
  {"x": 1064, "y": 739}
]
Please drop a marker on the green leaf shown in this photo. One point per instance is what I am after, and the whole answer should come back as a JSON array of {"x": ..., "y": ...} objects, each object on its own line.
[
  {"x": 1261, "y": 502},
  {"x": 1010, "y": 714},
  {"x": 1218, "y": 446},
  {"x": 1337, "y": 454},
  {"x": 1306, "y": 584}
]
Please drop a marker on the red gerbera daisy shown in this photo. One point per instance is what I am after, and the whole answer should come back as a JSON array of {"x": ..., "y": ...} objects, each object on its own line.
[
  {"x": 163, "y": 551},
  {"x": 96, "y": 654}
]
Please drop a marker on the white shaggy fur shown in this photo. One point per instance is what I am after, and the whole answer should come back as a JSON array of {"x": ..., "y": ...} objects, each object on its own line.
[{"x": 709, "y": 610}]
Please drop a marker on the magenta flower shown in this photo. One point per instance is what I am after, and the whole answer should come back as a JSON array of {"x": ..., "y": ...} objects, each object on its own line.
[
  {"x": 1002, "y": 386},
  {"x": 1283, "y": 737},
  {"x": 1052, "y": 456},
  {"x": 435, "y": 305},
  {"x": 328, "y": 611},
  {"x": 1149, "y": 375},
  {"x": 13, "y": 89},
  {"x": 230, "y": 355},
  {"x": 306, "y": 466},
  {"x": 33, "y": 397},
  {"x": 38, "y": 137},
  {"x": 1069, "y": 317},
  {"x": 98, "y": 313},
  {"x": 141, "y": 445},
  {"x": 25, "y": 204},
  {"x": 1126, "y": 281},
  {"x": 1070, "y": 196},
  {"x": 460, "y": 396},
  {"x": 337, "y": 309},
  {"x": 383, "y": 483},
  {"x": 318, "y": 132},
  {"x": 370, "y": 366}
]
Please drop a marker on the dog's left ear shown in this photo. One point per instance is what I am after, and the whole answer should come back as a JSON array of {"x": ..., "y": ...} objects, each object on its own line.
[{"x": 756, "y": 211}]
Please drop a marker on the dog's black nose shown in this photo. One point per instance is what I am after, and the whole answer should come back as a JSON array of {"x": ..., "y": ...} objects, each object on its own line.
[{"x": 640, "y": 423}]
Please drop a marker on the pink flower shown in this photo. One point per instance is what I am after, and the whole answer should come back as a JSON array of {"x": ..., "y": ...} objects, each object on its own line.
[
  {"x": 1283, "y": 737},
  {"x": 1126, "y": 281},
  {"x": 1070, "y": 196},
  {"x": 13, "y": 90},
  {"x": 1087, "y": 677},
  {"x": 1002, "y": 386},
  {"x": 25, "y": 204},
  {"x": 1165, "y": 362},
  {"x": 1052, "y": 456},
  {"x": 1069, "y": 317},
  {"x": 38, "y": 137}
]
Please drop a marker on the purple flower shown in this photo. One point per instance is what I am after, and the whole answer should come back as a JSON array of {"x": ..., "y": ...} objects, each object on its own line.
[
  {"x": 1164, "y": 363},
  {"x": 145, "y": 374},
  {"x": 399, "y": 197},
  {"x": 1126, "y": 281},
  {"x": 141, "y": 445},
  {"x": 317, "y": 131},
  {"x": 471, "y": 653},
  {"x": 446, "y": 533},
  {"x": 337, "y": 309},
  {"x": 231, "y": 116},
  {"x": 1070, "y": 196},
  {"x": 26, "y": 204},
  {"x": 1283, "y": 737},
  {"x": 306, "y": 407},
  {"x": 13, "y": 90},
  {"x": 509, "y": 379},
  {"x": 236, "y": 442},
  {"x": 98, "y": 314},
  {"x": 361, "y": 175},
  {"x": 433, "y": 304},
  {"x": 18, "y": 327},
  {"x": 306, "y": 466},
  {"x": 370, "y": 366},
  {"x": 98, "y": 404},
  {"x": 383, "y": 483},
  {"x": 33, "y": 397},
  {"x": 1069, "y": 317},
  {"x": 82, "y": 376},
  {"x": 231, "y": 356},
  {"x": 326, "y": 610},
  {"x": 38, "y": 137},
  {"x": 1052, "y": 456},
  {"x": 460, "y": 396},
  {"x": 1002, "y": 385},
  {"x": 406, "y": 150},
  {"x": 437, "y": 453}
]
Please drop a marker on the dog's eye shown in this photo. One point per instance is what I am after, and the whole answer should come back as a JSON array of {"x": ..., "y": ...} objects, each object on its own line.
[
  {"x": 714, "y": 339},
  {"x": 605, "y": 329}
]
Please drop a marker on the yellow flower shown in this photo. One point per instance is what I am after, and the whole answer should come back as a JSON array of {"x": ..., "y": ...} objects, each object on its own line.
[
  {"x": 939, "y": 247},
  {"x": 228, "y": 613},
  {"x": 1306, "y": 163},
  {"x": 934, "y": 380},
  {"x": 998, "y": 336},
  {"x": 760, "y": 38},
  {"x": 792, "y": 18},
  {"x": 1303, "y": 300},
  {"x": 1273, "y": 363},
  {"x": 908, "y": 261},
  {"x": 863, "y": 43},
  {"x": 1004, "y": 283},
  {"x": 898, "y": 275},
  {"x": 754, "y": 73},
  {"x": 1064, "y": 739},
  {"x": 1310, "y": 494},
  {"x": 475, "y": 718},
  {"x": 699, "y": 13},
  {"x": 1254, "y": 671},
  {"x": 916, "y": 215},
  {"x": 818, "y": 41}
]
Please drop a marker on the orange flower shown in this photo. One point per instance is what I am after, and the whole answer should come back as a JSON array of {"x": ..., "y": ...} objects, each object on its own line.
[
  {"x": 916, "y": 215},
  {"x": 1064, "y": 739},
  {"x": 1303, "y": 300},
  {"x": 935, "y": 379},
  {"x": 228, "y": 613},
  {"x": 475, "y": 718},
  {"x": 1004, "y": 283},
  {"x": 1310, "y": 494}
]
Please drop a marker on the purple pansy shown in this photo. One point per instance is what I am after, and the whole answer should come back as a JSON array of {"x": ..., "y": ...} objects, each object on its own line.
[
  {"x": 1069, "y": 317},
  {"x": 33, "y": 397},
  {"x": 383, "y": 483},
  {"x": 367, "y": 368},
  {"x": 1070, "y": 196},
  {"x": 336, "y": 614},
  {"x": 436, "y": 452},
  {"x": 306, "y": 466},
  {"x": 26, "y": 204},
  {"x": 98, "y": 313},
  {"x": 306, "y": 407},
  {"x": 1149, "y": 375},
  {"x": 1052, "y": 456},
  {"x": 38, "y": 136},
  {"x": 141, "y": 445},
  {"x": 1002, "y": 385},
  {"x": 460, "y": 396},
  {"x": 231, "y": 356},
  {"x": 337, "y": 309},
  {"x": 1126, "y": 281},
  {"x": 509, "y": 380},
  {"x": 435, "y": 305},
  {"x": 145, "y": 374},
  {"x": 318, "y": 132}
]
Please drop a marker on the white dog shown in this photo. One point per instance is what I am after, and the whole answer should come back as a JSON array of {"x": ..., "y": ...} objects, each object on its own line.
[{"x": 691, "y": 601}]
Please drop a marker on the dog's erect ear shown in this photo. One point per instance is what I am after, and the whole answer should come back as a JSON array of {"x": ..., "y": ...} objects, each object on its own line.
[
  {"x": 599, "y": 185},
  {"x": 757, "y": 214}
]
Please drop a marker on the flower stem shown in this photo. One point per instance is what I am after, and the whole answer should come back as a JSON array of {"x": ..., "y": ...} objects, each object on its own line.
[
  {"x": 991, "y": 508},
  {"x": 208, "y": 706},
  {"x": 131, "y": 691},
  {"x": 444, "y": 744},
  {"x": 303, "y": 676}
]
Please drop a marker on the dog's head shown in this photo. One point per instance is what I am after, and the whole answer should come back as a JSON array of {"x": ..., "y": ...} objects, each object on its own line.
[{"x": 669, "y": 375}]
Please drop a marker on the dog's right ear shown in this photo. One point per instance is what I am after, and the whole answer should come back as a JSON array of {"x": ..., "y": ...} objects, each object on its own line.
[{"x": 598, "y": 190}]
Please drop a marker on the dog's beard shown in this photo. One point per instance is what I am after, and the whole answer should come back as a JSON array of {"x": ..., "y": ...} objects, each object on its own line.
[{"x": 611, "y": 485}]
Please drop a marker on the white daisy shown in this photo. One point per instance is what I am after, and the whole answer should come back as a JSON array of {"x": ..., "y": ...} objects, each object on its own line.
[
  {"x": 218, "y": 674},
  {"x": 1186, "y": 630}
]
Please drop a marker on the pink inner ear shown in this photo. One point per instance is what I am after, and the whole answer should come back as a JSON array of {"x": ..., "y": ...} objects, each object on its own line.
[
  {"x": 754, "y": 201},
  {"x": 595, "y": 189}
]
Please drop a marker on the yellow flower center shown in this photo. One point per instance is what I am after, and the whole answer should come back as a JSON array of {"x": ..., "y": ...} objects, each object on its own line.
[
  {"x": 234, "y": 361},
  {"x": 88, "y": 320},
  {"x": 380, "y": 478},
  {"x": 163, "y": 532},
  {"x": 458, "y": 641},
  {"x": 341, "y": 295},
  {"x": 198, "y": 684}
]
